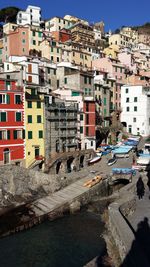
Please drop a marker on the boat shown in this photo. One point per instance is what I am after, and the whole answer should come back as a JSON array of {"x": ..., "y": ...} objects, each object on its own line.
[
  {"x": 122, "y": 151},
  {"x": 123, "y": 171},
  {"x": 144, "y": 163},
  {"x": 94, "y": 160},
  {"x": 112, "y": 161}
]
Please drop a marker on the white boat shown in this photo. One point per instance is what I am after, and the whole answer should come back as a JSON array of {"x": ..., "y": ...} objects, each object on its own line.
[
  {"x": 111, "y": 161},
  {"x": 94, "y": 160},
  {"x": 144, "y": 162}
]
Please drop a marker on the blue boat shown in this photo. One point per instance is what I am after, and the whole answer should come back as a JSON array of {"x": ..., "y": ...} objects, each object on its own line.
[{"x": 123, "y": 171}]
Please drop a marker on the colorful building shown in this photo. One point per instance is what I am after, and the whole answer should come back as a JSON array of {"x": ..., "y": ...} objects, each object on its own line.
[
  {"x": 12, "y": 146},
  {"x": 34, "y": 121}
]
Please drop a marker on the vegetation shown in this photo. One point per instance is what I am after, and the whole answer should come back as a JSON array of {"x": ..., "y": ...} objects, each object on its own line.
[{"x": 8, "y": 14}]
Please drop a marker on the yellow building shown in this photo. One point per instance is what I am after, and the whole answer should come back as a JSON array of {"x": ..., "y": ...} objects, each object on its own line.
[
  {"x": 112, "y": 51},
  {"x": 34, "y": 125},
  {"x": 35, "y": 38}
]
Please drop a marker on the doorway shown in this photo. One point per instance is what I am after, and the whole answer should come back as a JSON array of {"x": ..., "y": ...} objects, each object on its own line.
[{"x": 6, "y": 156}]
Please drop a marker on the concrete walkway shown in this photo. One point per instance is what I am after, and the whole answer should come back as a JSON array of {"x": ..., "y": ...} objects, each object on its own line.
[{"x": 67, "y": 195}]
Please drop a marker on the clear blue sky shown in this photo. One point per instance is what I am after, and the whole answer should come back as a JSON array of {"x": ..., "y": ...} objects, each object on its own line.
[{"x": 114, "y": 13}]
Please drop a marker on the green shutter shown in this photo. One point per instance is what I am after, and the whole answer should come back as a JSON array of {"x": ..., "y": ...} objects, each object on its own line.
[
  {"x": 29, "y": 118},
  {"x": 8, "y": 134},
  {"x": 15, "y": 134},
  {"x": 40, "y": 134},
  {"x": 23, "y": 134},
  {"x": 18, "y": 116},
  {"x": 3, "y": 116},
  {"x": 39, "y": 120},
  {"x": 81, "y": 130},
  {"x": 8, "y": 99},
  {"x": 81, "y": 117},
  {"x": 29, "y": 104},
  {"x": 38, "y": 104},
  {"x": 0, "y": 135},
  {"x": 104, "y": 101},
  {"x": 29, "y": 134}
]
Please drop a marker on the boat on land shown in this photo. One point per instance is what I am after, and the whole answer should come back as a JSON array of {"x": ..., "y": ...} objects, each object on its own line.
[
  {"x": 112, "y": 161},
  {"x": 144, "y": 163},
  {"x": 94, "y": 160},
  {"x": 122, "y": 151},
  {"x": 123, "y": 171}
]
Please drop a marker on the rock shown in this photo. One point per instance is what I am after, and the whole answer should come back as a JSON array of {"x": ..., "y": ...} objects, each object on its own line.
[{"x": 75, "y": 206}]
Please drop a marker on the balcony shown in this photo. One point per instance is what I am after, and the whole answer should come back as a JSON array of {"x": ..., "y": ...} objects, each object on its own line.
[{"x": 11, "y": 88}]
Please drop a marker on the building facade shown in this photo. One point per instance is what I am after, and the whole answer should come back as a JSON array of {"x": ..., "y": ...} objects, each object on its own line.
[{"x": 12, "y": 145}]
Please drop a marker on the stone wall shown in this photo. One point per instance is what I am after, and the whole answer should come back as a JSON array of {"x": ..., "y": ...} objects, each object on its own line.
[{"x": 121, "y": 229}]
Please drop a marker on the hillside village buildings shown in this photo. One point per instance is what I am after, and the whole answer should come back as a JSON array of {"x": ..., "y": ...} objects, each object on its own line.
[{"x": 63, "y": 86}]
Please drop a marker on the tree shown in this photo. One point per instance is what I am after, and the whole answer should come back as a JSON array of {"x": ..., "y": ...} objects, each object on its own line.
[{"x": 8, "y": 14}]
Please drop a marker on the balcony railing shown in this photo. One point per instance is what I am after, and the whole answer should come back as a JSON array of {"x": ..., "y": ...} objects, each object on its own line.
[{"x": 11, "y": 88}]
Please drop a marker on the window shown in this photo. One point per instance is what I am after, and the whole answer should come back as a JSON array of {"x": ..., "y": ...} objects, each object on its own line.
[
  {"x": 85, "y": 80},
  {"x": 39, "y": 34},
  {"x": 52, "y": 49},
  {"x": 40, "y": 134},
  {"x": 29, "y": 134},
  {"x": 135, "y": 99},
  {"x": 135, "y": 108},
  {"x": 127, "y": 99},
  {"x": 89, "y": 80},
  {"x": 87, "y": 107},
  {"x": 52, "y": 58},
  {"x": 104, "y": 101},
  {"x": 65, "y": 80},
  {"x": 38, "y": 104},
  {"x": 23, "y": 33},
  {"x": 17, "y": 134},
  {"x": 54, "y": 72},
  {"x": 87, "y": 131},
  {"x": 33, "y": 33},
  {"x": 29, "y": 118},
  {"x": 34, "y": 42},
  {"x": 4, "y": 135},
  {"x": 57, "y": 83},
  {"x": 4, "y": 99},
  {"x": 91, "y": 143},
  {"x": 81, "y": 129},
  {"x": 127, "y": 109},
  {"x": 86, "y": 91},
  {"x": 134, "y": 119},
  {"x": 57, "y": 59},
  {"x": 17, "y": 99},
  {"x": 127, "y": 90},
  {"x": 2, "y": 116},
  {"x": 23, "y": 41},
  {"x": 39, "y": 119},
  {"x": 29, "y": 104},
  {"x": 81, "y": 117},
  {"x": 18, "y": 116},
  {"x": 57, "y": 50},
  {"x": 87, "y": 118}
]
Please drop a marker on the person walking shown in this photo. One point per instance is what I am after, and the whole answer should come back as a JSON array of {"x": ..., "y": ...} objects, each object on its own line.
[{"x": 140, "y": 188}]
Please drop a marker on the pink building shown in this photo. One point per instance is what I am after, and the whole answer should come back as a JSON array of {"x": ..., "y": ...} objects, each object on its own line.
[
  {"x": 16, "y": 43},
  {"x": 115, "y": 70}
]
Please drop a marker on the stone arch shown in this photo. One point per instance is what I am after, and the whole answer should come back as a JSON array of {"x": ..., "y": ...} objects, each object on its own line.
[
  {"x": 6, "y": 155},
  {"x": 82, "y": 161},
  {"x": 70, "y": 165},
  {"x": 58, "y": 165}
]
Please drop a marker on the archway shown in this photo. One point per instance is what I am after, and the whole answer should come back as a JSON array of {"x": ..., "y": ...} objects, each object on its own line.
[
  {"x": 58, "y": 167},
  {"x": 70, "y": 165},
  {"x": 6, "y": 156},
  {"x": 82, "y": 161}
]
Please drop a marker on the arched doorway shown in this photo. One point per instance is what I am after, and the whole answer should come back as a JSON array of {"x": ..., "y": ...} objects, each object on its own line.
[
  {"x": 82, "y": 161},
  {"x": 58, "y": 167},
  {"x": 6, "y": 156}
]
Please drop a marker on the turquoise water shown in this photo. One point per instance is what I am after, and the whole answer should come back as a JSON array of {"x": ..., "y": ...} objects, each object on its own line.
[{"x": 70, "y": 241}]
